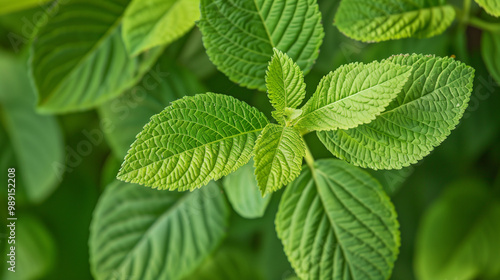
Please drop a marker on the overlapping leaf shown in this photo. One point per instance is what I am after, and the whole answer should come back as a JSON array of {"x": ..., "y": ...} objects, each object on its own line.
[
  {"x": 420, "y": 118},
  {"x": 152, "y": 23},
  {"x": 240, "y": 35},
  {"x": 141, "y": 233},
  {"x": 381, "y": 20},
  {"x": 458, "y": 238},
  {"x": 285, "y": 85},
  {"x": 492, "y": 7},
  {"x": 193, "y": 141},
  {"x": 243, "y": 192},
  {"x": 278, "y": 157},
  {"x": 490, "y": 50},
  {"x": 79, "y": 60},
  {"x": 336, "y": 222},
  {"x": 352, "y": 95}
]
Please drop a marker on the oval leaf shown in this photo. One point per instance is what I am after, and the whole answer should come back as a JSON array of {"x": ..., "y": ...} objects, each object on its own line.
[
  {"x": 73, "y": 73},
  {"x": 419, "y": 119},
  {"x": 240, "y": 35},
  {"x": 381, "y": 20},
  {"x": 141, "y": 233},
  {"x": 152, "y": 23},
  {"x": 193, "y": 141},
  {"x": 490, "y": 50},
  {"x": 352, "y": 95},
  {"x": 336, "y": 222},
  {"x": 243, "y": 192}
]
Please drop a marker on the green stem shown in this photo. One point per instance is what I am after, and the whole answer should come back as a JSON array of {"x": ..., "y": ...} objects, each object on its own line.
[
  {"x": 466, "y": 11},
  {"x": 484, "y": 25},
  {"x": 309, "y": 158}
]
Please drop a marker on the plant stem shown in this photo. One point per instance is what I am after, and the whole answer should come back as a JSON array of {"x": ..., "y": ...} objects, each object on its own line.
[
  {"x": 484, "y": 25},
  {"x": 466, "y": 11},
  {"x": 309, "y": 158}
]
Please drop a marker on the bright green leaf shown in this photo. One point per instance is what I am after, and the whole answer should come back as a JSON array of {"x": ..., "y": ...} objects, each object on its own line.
[
  {"x": 352, "y": 95},
  {"x": 73, "y": 73},
  {"x": 193, "y": 141},
  {"x": 243, "y": 192},
  {"x": 126, "y": 115},
  {"x": 41, "y": 158},
  {"x": 240, "y": 35},
  {"x": 336, "y": 222},
  {"x": 490, "y": 50},
  {"x": 381, "y": 20},
  {"x": 141, "y": 233},
  {"x": 419, "y": 119},
  {"x": 285, "y": 85},
  {"x": 279, "y": 151},
  {"x": 492, "y": 7},
  {"x": 9, "y": 6},
  {"x": 151, "y": 23},
  {"x": 458, "y": 237}
]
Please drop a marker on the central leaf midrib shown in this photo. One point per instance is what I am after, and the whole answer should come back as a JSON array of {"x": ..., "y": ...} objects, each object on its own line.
[{"x": 264, "y": 24}]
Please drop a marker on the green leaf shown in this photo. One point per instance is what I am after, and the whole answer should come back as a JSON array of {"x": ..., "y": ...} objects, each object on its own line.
[
  {"x": 336, "y": 222},
  {"x": 419, "y": 119},
  {"x": 490, "y": 50},
  {"x": 35, "y": 248},
  {"x": 243, "y": 192},
  {"x": 492, "y": 7},
  {"x": 74, "y": 73},
  {"x": 352, "y": 95},
  {"x": 278, "y": 157},
  {"x": 458, "y": 237},
  {"x": 9, "y": 6},
  {"x": 285, "y": 85},
  {"x": 126, "y": 115},
  {"x": 193, "y": 141},
  {"x": 240, "y": 35},
  {"x": 381, "y": 20},
  {"x": 141, "y": 233},
  {"x": 227, "y": 264},
  {"x": 37, "y": 157},
  {"x": 152, "y": 23}
]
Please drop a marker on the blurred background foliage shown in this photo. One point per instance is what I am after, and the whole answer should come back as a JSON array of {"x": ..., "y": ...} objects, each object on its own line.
[{"x": 64, "y": 162}]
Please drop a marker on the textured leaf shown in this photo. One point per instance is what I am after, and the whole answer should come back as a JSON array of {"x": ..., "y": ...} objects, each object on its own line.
[
  {"x": 240, "y": 35},
  {"x": 141, "y": 233},
  {"x": 35, "y": 248},
  {"x": 227, "y": 264},
  {"x": 73, "y": 73},
  {"x": 492, "y": 7},
  {"x": 458, "y": 238},
  {"x": 193, "y": 141},
  {"x": 352, "y": 95},
  {"x": 285, "y": 85},
  {"x": 336, "y": 222},
  {"x": 490, "y": 50},
  {"x": 381, "y": 20},
  {"x": 9, "y": 6},
  {"x": 243, "y": 192},
  {"x": 35, "y": 156},
  {"x": 419, "y": 119},
  {"x": 152, "y": 23},
  {"x": 278, "y": 157},
  {"x": 126, "y": 115}
]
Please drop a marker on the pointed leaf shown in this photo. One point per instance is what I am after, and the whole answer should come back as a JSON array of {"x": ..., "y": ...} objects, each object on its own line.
[
  {"x": 492, "y": 7},
  {"x": 458, "y": 237},
  {"x": 243, "y": 192},
  {"x": 240, "y": 35},
  {"x": 74, "y": 73},
  {"x": 490, "y": 50},
  {"x": 419, "y": 119},
  {"x": 336, "y": 222},
  {"x": 278, "y": 157},
  {"x": 352, "y": 95},
  {"x": 382, "y": 20},
  {"x": 193, "y": 141},
  {"x": 285, "y": 85},
  {"x": 152, "y": 23},
  {"x": 141, "y": 233}
]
